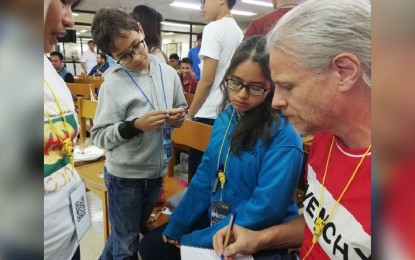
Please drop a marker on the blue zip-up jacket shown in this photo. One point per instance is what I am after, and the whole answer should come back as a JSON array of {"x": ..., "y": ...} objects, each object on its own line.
[{"x": 259, "y": 185}]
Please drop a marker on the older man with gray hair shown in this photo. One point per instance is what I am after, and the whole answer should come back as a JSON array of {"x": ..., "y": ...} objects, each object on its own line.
[{"x": 320, "y": 59}]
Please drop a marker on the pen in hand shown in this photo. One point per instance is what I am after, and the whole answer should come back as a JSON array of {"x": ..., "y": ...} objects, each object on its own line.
[{"x": 229, "y": 230}]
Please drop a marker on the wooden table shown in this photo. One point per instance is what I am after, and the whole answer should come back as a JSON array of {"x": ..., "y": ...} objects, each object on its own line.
[{"x": 92, "y": 174}]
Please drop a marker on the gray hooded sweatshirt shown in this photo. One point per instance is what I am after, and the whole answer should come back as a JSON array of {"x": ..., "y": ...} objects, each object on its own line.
[{"x": 121, "y": 100}]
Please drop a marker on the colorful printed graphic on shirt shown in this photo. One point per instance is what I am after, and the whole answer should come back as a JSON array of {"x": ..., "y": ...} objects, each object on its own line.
[{"x": 54, "y": 153}]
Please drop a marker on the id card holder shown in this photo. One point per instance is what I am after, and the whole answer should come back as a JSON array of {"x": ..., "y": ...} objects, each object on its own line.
[
  {"x": 80, "y": 212},
  {"x": 167, "y": 146},
  {"x": 220, "y": 210}
]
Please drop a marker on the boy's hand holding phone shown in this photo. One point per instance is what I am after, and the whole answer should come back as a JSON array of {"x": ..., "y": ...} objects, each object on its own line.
[
  {"x": 151, "y": 121},
  {"x": 176, "y": 116}
]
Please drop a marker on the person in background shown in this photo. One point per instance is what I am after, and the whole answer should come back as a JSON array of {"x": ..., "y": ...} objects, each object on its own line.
[
  {"x": 101, "y": 67},
  {"x": 194, "y": 55},
  {"x": 313, "y": 88},
  {"x": 60, "y": 131},
  {"x": 174, "y": 62},
  {"x": 257, "y": 154},
  {"x": 264, "y": 24},
  {"x": 139, "y": 102},
  {"x": 57, "y": 62},
  {"x": 222, "y": 36},
  {"x": 189, "y": 82},
  {"x": 151, "y": 20},
  {"x": 393, "y": 176},
  {"x": 88, "y": 59}
]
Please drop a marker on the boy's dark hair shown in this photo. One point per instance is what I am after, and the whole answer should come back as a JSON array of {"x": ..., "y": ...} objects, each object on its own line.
[
  {"x": 174, "y": 56},
  {"x": 199, "y": 36},
  {"x": 107, "y": 26},
  {"x": 150, "y": 21},
  {"x": 103, "y": 56},
  {"x": 188, "y": 61},
  {"x": 231, "y": 3},
  {"x": 91, "y": 41},
  {"x": 57, "y": 53},
  {"x": 254, "y": 124}
]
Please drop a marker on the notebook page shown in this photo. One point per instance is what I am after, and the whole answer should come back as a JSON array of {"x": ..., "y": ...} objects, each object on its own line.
[{"x": 191, "y": 253}]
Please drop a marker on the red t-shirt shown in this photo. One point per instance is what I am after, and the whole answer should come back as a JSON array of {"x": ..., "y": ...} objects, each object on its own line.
[
  {"x": 347, "y": 235},
  {"x": 264, "y": 24},
  {"x": 190, "y": 87}
]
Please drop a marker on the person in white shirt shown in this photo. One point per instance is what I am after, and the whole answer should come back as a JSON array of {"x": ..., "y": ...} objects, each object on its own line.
[
  {"x": 88, "y": 59},
  {"x": 220, "y": 39}
]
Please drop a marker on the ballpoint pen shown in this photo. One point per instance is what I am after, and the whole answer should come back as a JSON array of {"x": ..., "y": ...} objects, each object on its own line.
[{"x": 229, "y": 230}]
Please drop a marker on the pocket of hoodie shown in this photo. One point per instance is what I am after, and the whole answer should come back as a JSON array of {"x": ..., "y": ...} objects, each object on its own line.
[{"x": 134, "y": 145}]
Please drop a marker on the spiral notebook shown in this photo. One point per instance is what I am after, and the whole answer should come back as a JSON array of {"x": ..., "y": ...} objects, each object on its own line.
[{"x": 191, "y": 253}]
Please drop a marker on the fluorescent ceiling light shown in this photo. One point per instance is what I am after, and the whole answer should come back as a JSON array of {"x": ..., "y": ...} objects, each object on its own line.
[
  {"x": 78, "y": 33},
  {"x": 176, "y": 24},
  {"x": 75, "y": 14},
  {"x": 186, "y": 5},
  {"x": 255, "y": 2},
  {"x": 243, "y": 13},
  {"x": 198, "y": 7},
  {"x": 169, "y": 33},
  {"x": 83, "y": 31}
]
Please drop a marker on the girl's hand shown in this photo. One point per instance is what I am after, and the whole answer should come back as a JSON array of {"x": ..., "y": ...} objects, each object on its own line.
[{"x": 171, "y": 241}]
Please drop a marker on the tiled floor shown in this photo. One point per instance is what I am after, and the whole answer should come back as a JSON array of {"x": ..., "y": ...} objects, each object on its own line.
[{"x": 93, "y": 241}]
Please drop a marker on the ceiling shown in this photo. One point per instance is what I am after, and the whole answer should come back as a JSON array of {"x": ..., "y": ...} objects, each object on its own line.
[{"x": 168, "y": 12}]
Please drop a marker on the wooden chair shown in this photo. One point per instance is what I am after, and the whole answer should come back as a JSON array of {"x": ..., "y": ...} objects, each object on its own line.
[
  {"x": 189, "y": 98},
  {"x": 86, "y": 110},
  {"x": 81, "y": 89},
  {"x": 95, "y": 80},
  {"x": 80, "y": 78},
  {"x": 191, "y": 134}
]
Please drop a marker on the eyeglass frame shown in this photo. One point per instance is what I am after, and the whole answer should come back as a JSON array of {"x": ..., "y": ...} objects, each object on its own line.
[
  {"x": 132, "y": 52},
  {"x": 202, "y": 2},
  {"x": 248, "y": 88}
]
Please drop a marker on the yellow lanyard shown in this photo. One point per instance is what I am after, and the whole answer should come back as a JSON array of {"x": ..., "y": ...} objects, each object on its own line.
[
  {"x": 222, "y": 172},
  {"x": 67, "y": 142},
  {"x": 320, "y": 223}
]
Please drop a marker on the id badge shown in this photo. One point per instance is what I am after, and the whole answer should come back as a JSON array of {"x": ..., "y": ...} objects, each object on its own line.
[
  {"x": 80, "y": 212},
  {"x": 167, "y": 146},
  {"x": 220, "y": 210}
]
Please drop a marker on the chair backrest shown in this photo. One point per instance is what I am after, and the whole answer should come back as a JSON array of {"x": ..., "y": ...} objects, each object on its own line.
[
  {"x": 96, "y": 80},
  {"x": 193, "y": 134},
  {"x": 80, "y": 78},
  {"x": 189, "y": 98},
  {"x": 81, "y": 89},
  {"x": 86, "y": 110}
]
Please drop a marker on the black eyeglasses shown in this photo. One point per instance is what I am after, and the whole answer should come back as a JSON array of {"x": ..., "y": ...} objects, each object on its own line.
[
  {"x": 137, "y": 49},
  {"x": 252, "y": 89}
]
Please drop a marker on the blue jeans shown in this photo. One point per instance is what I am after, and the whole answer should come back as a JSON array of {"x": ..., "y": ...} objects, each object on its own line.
[
  {"x": 195, "y": 156},
  {"x": 131, "y": 202}
]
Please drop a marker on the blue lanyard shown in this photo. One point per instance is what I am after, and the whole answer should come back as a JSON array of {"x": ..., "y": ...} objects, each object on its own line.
[{"x": 148, "y": 100}]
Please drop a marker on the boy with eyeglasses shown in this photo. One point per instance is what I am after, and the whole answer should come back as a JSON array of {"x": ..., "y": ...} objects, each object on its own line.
[{"x": 139, "y": 101}]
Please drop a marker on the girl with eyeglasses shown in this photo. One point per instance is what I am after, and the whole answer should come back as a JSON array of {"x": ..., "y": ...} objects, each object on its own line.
[{"x": 252, "y": 163}]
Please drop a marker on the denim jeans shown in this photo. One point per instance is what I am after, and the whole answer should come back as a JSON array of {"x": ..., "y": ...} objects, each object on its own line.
[
  {"x": 131, "y": 202},
  {"x": 195, "y": 156}
]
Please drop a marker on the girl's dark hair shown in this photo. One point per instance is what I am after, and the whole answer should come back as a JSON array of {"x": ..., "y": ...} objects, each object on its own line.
[
  {"x": 150, "y": 21},
  {"x": 106, "y": 27},
  {"x": 255, "y": 123}
]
